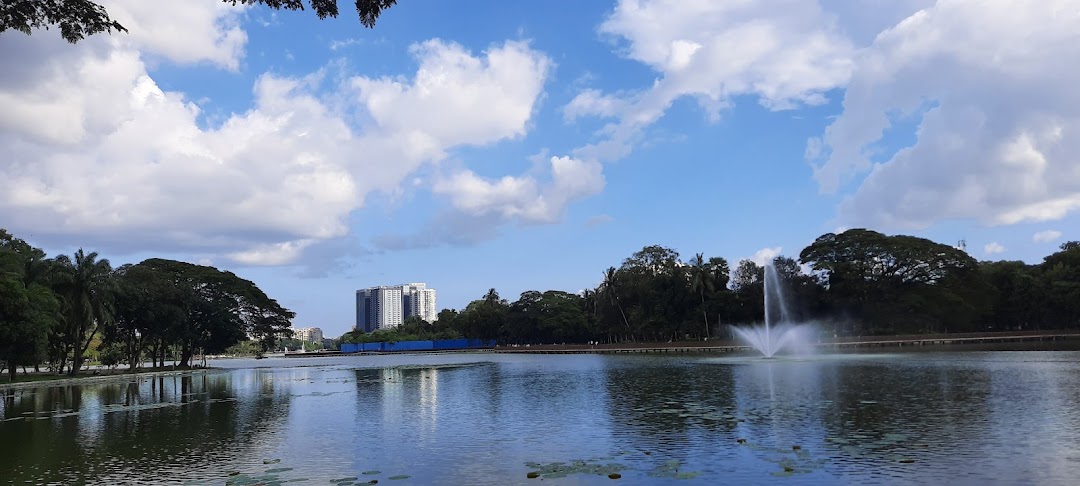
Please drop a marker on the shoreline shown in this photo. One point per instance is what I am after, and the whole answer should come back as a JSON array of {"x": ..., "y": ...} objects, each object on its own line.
[
  {"x": 727, "y": 345},
  {"x": 1027, "y": 340},
  {"x": 65, "y": 380}
]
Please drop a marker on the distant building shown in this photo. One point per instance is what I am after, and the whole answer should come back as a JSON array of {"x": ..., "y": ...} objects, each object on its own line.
[
  {"x": 418, "y": 300},
  {"x": 308, "y": 334},
  {"x": 386, "y": 307}
]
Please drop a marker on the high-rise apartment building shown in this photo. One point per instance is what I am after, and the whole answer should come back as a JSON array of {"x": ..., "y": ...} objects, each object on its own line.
[
  {"x": 386, "y": 307},
  {"x": 418, "y": 300},
  {"x": 308, "y": 334}
]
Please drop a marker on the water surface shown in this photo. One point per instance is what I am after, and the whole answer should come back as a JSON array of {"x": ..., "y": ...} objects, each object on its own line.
[{"x": 914, "y": 418}]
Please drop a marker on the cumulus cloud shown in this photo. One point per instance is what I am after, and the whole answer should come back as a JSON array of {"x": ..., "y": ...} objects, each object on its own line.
[
  {"x": 765, "y": 255},
  {"x": 96, "y": 150},
  {"x": 786, "y": 53},
  {"x": 503, "y": 86},
  {"x": 184, "y": 32},
  {"x": 998, "y": 137},
  {"x": 1047, "y": 236},
  {"x": 524, "y": 198},
  {"x": 993, "y": 248}
]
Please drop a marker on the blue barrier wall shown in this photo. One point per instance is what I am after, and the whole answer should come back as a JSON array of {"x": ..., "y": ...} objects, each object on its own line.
[{"x": 441, "y": 344}]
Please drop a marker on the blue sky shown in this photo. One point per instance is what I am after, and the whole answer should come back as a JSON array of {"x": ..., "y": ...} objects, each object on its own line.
[{"x": 530, "y": 145}]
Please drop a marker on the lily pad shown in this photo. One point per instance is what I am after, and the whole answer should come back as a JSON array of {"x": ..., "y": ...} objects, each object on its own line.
[
  {"x": 670, "y": 469},
  {"x": 271, "y": 461},
  {"x": 398, "y": 477},
  {"x": 370, "y": 473},
  {"x": 556, "y": 470}
]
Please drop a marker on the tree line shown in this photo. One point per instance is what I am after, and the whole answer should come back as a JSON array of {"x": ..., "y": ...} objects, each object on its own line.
[
  {"x": 855, "y": 283},
  {"x": 55, "y": 312}
]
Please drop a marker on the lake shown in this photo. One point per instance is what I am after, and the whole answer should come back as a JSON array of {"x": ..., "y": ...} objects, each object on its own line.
[{"x": 482, "y": 418}]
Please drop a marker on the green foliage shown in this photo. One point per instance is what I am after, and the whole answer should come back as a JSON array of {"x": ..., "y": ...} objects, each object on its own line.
[
  {"x": 243, "y": 348},
  {"x": 80, "y": 18},
  {"x": 368, "y": 10},
  {"x": 111, "y": 354},
  {"x": 69, "y": 308},
  {"x": 899, "y": 284},
  {"x": 28, "y": 309},
  {"x": 76, "y": 18},
  {"x": 86, "y": 285},
  {"x": 23, "y": 323}
]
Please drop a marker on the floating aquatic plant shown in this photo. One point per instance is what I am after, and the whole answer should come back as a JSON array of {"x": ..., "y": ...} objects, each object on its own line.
[
  {"x": 672, "y": 469},
  {"x": 556, "y": 470}
]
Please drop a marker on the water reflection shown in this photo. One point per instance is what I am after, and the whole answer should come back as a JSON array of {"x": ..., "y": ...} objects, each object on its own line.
[
  {"x": 144, "y": 427},
  {"x": 456, "y": 419}
]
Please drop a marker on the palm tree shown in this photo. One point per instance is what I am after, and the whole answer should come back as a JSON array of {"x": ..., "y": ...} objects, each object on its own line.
[
  {"x": 610, "y": 282},
  {"x": 87, "y": 287},
  {"x": 588, "y": 299},
  {"x": 701, "y": 281}
]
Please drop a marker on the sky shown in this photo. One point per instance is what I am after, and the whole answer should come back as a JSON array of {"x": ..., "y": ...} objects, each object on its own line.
[{"x": 530, "y": 145}]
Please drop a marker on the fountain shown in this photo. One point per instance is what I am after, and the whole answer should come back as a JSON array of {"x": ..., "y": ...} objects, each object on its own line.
[{"x": 779, "y": 331}]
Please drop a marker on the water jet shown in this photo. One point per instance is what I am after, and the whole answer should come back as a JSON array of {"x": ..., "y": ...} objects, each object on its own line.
[{"x": 779, "y": 330}]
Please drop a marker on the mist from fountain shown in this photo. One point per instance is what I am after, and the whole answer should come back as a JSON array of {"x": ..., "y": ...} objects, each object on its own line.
[{"x": 779, "y": 330}]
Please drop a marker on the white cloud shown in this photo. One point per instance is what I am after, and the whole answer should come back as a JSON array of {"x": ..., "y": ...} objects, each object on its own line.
[
  {"x": 591, "y": 102},
  {"x": 341, "y": 44},
  {"x": 765, "y": 255},
  {"x": 785, "y": 53},
  {"x": 97, "y": 152},
  {"x": 1047, "y": 236},
  {"x": 993, "y": 248},
  {"x": 999, "y": 133},
  {"x": 503, "y": 86},
  {"x": 524, "y": 198},
  {"x": 184, "y": 32},
  {"x": 272, "y": 254}
]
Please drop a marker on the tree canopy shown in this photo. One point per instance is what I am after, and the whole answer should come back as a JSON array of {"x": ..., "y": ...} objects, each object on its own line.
[
  {"x": 858, "y": 282},
  {"x": 78, "y": 19},
  {"x": 65, "y": 310}
]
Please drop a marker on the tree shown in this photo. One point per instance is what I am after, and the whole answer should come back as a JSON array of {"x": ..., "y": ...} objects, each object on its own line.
[
  {"x": 899, "y": 283},
  {"x": 87, "y": 287},
  {"x": 483, "y": 318},
  {"x": 609, "y": 287},
  {"x": 80, "y": 18},
  {"x": 149, "y": 305},
  {"x": 26, "y": 314},
  {"x": 748, "y": 283},
  {"x": 1061, "y": 279},
  {"x": 701, "y": 281}
]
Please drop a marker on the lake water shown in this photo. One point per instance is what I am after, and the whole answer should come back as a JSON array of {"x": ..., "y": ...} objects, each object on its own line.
[{"x": 474, "y": 419}]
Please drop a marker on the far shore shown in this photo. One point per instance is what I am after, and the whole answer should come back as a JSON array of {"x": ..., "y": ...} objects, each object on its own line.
[
  {"x": 716, "y": 344},
  {"x": 1016, "y": 340}
]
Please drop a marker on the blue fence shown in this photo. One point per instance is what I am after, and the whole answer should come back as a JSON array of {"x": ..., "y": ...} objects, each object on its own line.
[{"x": 437, "y": 345}]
